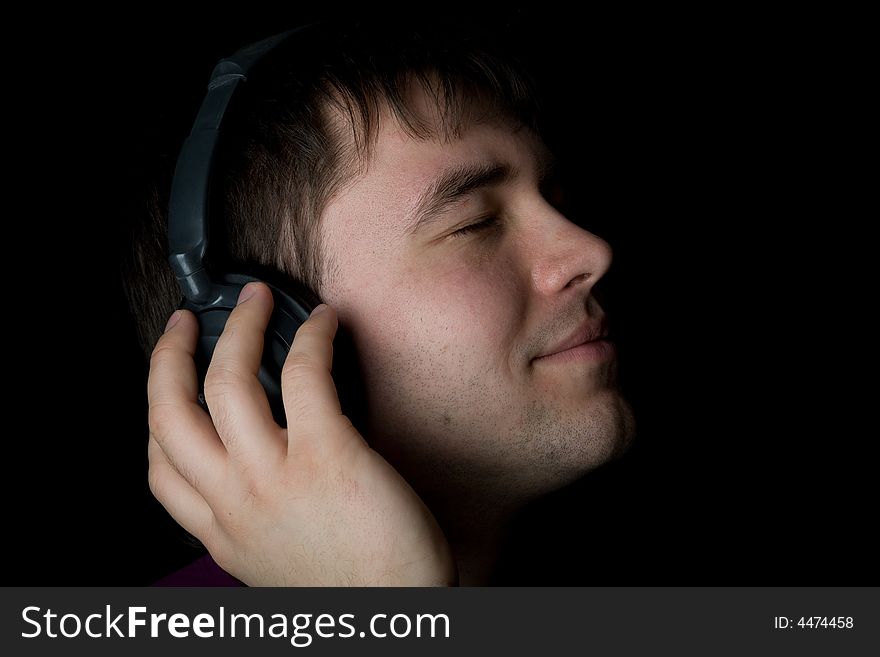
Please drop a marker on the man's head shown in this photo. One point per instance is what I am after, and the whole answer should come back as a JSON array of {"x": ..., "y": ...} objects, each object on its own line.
[
  {"x": 405, "y": 182},
  {"x": 451, "y": 304}
]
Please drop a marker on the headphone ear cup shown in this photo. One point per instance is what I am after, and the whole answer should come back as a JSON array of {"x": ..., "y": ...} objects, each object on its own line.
[{"x": 288, "y": 315}]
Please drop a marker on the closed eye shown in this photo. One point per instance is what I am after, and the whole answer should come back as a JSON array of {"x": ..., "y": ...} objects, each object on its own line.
[{"x": 476, "y": 227}]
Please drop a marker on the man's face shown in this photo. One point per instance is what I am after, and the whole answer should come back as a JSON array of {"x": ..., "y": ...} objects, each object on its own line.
[{"x": 449, "y": 325}]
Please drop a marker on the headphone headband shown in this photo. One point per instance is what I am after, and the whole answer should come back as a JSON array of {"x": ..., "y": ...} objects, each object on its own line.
[{"x": 188, "y": 208}]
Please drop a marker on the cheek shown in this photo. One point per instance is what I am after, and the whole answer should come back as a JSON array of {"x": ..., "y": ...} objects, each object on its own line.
[
  {"x": 466, "y": 310},
  {"x": 451, "y": 318}
]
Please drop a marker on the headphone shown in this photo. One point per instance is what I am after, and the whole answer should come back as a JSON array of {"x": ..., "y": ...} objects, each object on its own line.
[{"x": 212, "y": 296}]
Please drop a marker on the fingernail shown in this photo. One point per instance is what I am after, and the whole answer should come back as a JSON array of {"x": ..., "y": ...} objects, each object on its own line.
[
  {"x": 175, "y": 316},
  {"x": 319, "y": 309},
  {"x": 247, "y": 292}
]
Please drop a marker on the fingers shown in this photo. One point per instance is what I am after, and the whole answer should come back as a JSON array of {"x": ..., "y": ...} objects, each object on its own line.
[
  {"x": 180, "y": 499},
  {"x": 179, "y": 425},
  {"x": 235, "y": 397},
  {"x": 310, "y": 399}
]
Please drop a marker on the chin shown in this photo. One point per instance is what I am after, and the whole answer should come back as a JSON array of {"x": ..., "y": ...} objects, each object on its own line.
[
  {"x": 567, "y": 450},
  {"x": 622, "y": 429}
]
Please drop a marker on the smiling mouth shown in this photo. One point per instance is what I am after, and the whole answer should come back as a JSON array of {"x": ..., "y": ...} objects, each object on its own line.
[
  {"x": 598, "y": 350},
  {"x": 588, "y": 341}
]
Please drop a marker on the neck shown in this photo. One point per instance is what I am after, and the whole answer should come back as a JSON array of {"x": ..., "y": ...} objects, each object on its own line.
[
  {"x": 477, "y": 557},
  {"x": 475, "y": 532},
  {"x": 473, "y": 505}
]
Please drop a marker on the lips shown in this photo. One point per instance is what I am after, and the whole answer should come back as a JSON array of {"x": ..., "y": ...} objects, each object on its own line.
[{"x": 589, "y": 331}]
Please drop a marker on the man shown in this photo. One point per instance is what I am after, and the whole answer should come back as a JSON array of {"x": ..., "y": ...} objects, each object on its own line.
[{"x": 403, "y": 180}]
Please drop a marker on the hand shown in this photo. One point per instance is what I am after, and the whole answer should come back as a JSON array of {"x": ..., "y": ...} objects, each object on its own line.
[{"x": 310, "y": 505}]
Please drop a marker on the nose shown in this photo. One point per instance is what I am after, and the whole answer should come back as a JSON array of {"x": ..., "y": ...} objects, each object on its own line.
[{"x": 566, "y": 256}]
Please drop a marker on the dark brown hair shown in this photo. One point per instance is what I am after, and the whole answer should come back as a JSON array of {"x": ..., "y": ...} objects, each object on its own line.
[{"x": 303, "y": 126}]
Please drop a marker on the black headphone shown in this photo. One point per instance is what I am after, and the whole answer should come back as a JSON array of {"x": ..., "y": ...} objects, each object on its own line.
[{"x": 211, "y": 296}]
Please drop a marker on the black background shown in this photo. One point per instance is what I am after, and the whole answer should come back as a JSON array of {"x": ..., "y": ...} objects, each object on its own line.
[{"x": 706, "y": 148}]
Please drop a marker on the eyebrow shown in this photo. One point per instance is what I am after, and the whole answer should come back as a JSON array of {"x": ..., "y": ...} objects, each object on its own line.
[
  {"x": 460, "y": 181},
  {"x": 455, "y": 184}
]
